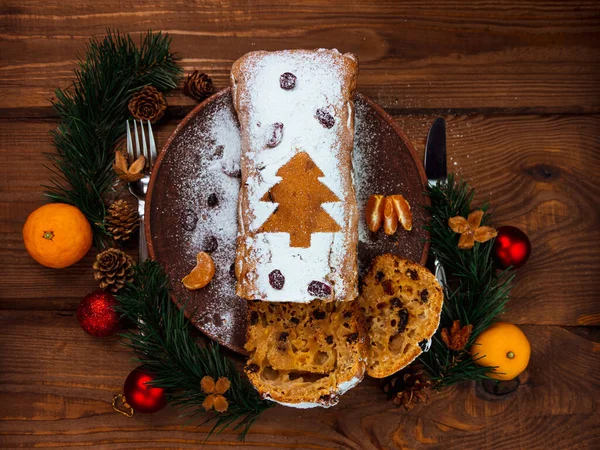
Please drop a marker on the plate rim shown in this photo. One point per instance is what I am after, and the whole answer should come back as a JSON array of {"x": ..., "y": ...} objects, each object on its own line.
[{"x": 202, "y": 105}]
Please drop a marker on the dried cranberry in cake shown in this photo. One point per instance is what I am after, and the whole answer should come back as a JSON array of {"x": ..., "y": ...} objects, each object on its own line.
[
  {"x": 403, "y": 320},
  {"x": 319, "y": 314},
  {"x": 388, "y": 287},
  {"x": 325, "y": 118},
  {"x": 231, "y": 168},
  {"x": 276, "y": 279},
  {"x": 287, "y": 81},
  {"x": 424, "y": 296},
  {"x": 213, "y": 200},
  {"x": 210, "y": 244},
  {"x": 412, "y": 274},
  {"x": 275, "y": 134},
  {"x": 190, "y": 219},
  {"x": 319, "y": 289}
]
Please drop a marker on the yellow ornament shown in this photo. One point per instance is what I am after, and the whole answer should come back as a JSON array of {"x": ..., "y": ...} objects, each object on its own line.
[{"x": 503, "y": 346}]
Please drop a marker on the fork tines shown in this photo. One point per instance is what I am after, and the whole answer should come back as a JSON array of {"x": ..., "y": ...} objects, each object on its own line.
[{"x": 148, "y": 150}]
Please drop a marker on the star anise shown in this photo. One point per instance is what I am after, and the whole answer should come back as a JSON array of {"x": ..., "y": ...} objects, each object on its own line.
[
  {"x": 470, "y": 230},
  {"x": 457, "y": 337}
]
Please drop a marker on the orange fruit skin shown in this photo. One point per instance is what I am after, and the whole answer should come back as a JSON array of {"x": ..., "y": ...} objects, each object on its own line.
[
  {"x": 495, "y": 343},
  {"x": 70, "y": 232}
]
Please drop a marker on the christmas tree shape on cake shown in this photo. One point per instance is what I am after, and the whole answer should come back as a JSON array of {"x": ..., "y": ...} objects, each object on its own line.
[{"x": 299, "y": 195}]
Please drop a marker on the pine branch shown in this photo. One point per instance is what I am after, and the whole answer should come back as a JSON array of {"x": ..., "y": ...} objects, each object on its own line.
[
  {"x": 479, "y": 294},
  {"x": 92, "y": 114},
  {"x": 165, "y": 346}
]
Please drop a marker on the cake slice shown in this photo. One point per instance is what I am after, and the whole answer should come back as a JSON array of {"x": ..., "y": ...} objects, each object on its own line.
[
  {"x": 297, "y": 214},
  {"x": 305, "y": 355},
  {"x": 402, "y": 302}
]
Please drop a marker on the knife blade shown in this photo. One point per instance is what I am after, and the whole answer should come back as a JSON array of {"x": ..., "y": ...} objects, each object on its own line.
[
  {"x": 435, "y": 152},
  {"x": 436, "y": 170}
]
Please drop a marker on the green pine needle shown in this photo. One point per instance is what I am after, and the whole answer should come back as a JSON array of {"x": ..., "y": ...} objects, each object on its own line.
[
  {"x": 476, "y": 295},
  {"x": 165, "y": 346},
  {"x": 92, "y": 116}
]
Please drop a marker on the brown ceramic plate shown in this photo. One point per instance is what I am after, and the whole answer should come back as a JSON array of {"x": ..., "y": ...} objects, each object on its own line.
[{"x": 192, "y": 202}]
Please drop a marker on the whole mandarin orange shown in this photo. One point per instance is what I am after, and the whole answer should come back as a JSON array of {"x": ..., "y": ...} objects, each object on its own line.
[
  {"x": 57, "y": 235},
  {"x": 504, "y": 346}
]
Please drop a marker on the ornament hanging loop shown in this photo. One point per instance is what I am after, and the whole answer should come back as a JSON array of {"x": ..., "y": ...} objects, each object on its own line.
[{"x": 124, "y": 408}]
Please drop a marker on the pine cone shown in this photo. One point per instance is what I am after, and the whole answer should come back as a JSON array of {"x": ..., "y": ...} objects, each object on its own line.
[
  {"x": 113, "y": 268},
  {"x": 122, "y": 220},
  {"x": 148, "y": 104},
  {"x": 406, "y": 387},
  {"x": 198, "y": 86}
]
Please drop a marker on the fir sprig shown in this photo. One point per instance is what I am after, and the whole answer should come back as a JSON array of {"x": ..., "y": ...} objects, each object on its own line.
[
  {"x": 476, "y": 293},
  {"x": 92, "y": 114},
  {"x": 165, "y": 346}
]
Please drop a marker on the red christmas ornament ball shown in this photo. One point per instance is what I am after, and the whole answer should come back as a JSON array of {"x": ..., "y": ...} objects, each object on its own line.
[
  {"x": 140, "y": 396},
  {"x": 511, "y": 248},
  {"x": 96, "y": 314}
]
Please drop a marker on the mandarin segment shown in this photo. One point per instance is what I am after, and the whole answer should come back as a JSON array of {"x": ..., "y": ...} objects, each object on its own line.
[
  {"x": 403, "y": 211},
  {"x": 390, "y": 218},
  {"x": 374, "y": 212},
  {"x": 200, "y": 275}
]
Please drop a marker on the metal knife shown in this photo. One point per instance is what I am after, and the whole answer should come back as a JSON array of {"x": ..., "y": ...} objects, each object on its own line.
[{"x": 436, "y": 170}]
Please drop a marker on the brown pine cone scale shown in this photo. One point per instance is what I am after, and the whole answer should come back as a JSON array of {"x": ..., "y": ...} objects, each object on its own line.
[
  {"x": 148, "y": 104},
  {"x": 122, "y": 220},
  {"x": 113, "y": 269},
  {"x": 198, "y": 86}
]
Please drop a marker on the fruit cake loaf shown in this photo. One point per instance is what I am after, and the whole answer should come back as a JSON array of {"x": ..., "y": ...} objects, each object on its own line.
[
  {"x": 305, "y": 355},
  {"x": 402, "y": 302},
  {"x": 297, "y": 212}
]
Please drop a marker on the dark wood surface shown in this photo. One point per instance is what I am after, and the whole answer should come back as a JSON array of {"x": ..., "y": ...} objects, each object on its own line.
[{"x": 519, "y": 85}]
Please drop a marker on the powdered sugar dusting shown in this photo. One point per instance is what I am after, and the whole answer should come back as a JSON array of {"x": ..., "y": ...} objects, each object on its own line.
[{"x": 216, "y": 148}]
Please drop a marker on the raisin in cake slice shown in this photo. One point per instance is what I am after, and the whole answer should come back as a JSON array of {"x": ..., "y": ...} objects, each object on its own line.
[
  {"x": 297, "y": 212},
  {"x": 402, "y": 302},
  {"x": 305, "y": 355}
]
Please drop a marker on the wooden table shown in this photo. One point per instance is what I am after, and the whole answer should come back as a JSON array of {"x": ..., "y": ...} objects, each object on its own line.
[{"x": 519, "y": 85}]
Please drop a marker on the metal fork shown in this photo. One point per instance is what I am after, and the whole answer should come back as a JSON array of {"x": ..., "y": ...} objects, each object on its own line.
[{"x": 139, "y": 188}]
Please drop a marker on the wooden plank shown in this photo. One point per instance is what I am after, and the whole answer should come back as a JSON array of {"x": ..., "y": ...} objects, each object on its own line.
[
  {"x": 539, "y": 172},
  {"x": 415, "y": 56},
  {"x": 56, "y": 384}
]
